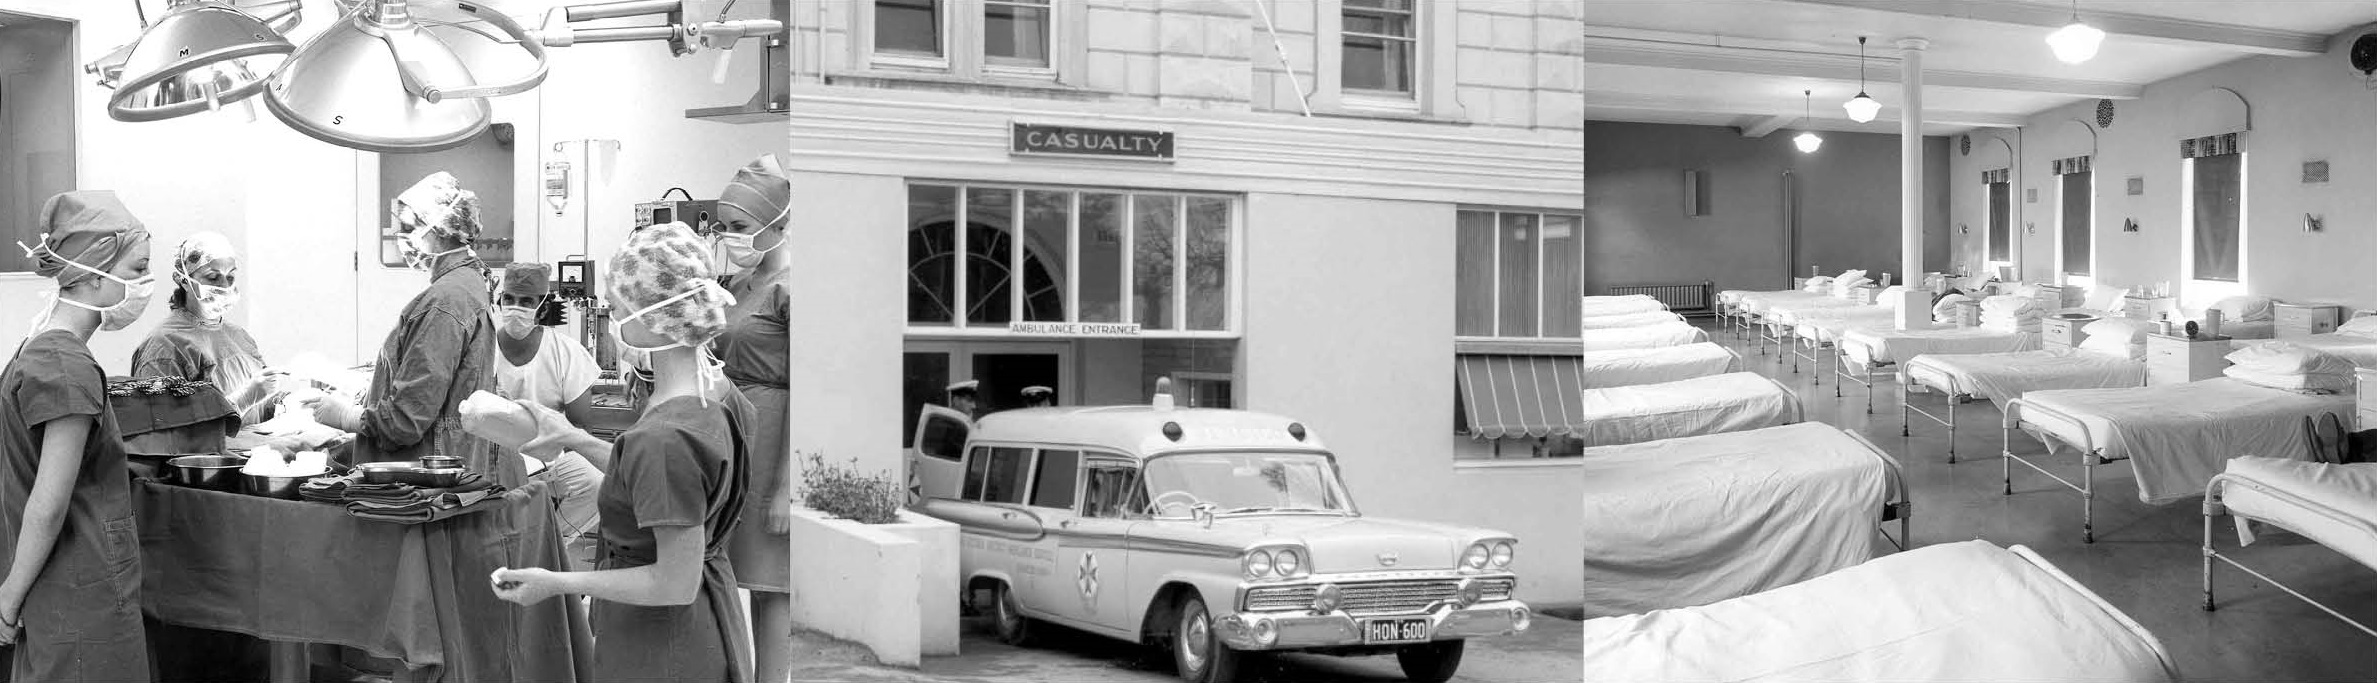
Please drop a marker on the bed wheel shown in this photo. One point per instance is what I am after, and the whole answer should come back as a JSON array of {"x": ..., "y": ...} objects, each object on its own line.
[
  {"x": 2208, "y": 605},
  {"x": 2087, "y": 535}
]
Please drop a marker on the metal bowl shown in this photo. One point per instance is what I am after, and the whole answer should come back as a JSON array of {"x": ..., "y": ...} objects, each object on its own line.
[
  {"x": 211, "y": 472},
  {"x": 386, "y": 472},
  {"x": 440, "y": 461},
  {"x": 274, "y": 487}
]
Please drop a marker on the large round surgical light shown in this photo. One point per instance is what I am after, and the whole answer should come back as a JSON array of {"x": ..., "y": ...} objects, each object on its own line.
[
  {"x": 2075, "y": 42},
  {"x": 381, "y": 82},
  {"x": 1861, "y": 108},
  {"x": 203, "y": 54}
]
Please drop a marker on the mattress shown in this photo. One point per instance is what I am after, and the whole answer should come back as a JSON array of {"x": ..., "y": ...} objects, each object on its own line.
[
  {"x": 1628, "y": 367},
  {"x": 2362, "y": 351},
  {"x": 1763, "y": 303},
  {"x": 2295, "y": 494},
  {"x": 2003, "y": 376},
  {"x": 1729, "y": 402},
  {"x": 1642, "y": 319},
  {"x": 1793, "y": 312},
  {"x": 1968, "y": 611},
  {"x": 1621, "y": 305},
  {"x": 1645, "y": 337},
  {"x": 1827, "y": 326},
  {"x": 1881, "y": 344},
  {"x": 1692, "y": 521},
  {"x": 2178, "y": 436}
]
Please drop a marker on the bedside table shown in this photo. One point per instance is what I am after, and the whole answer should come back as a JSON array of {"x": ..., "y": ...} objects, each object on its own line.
[
  {"x": 2302, "y": 320},
  {"x": 2145, "y": 309},
  {"x": 2365, "y": 404},
  {"x": 2063, "y": 333},
  {"x": 2179, "y": 360}
]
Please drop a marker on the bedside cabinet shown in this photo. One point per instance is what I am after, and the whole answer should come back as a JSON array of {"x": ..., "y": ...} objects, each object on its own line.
[
  {"x": 2179, "y": 360},
  {"x": 2303, "y": 320},
  {"x": 2146, "y": 309},
  {"x": 2365, "y": 414},
  {"x": 2063, "y": 333}
]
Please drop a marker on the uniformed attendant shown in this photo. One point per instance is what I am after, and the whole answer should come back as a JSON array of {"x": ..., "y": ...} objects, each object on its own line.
[
  {"x": 962, "y": 398},
  {"x": 665, "y": 603},
  {"x": 1038, "y": 397},
  {"x": 71, "y": 600}
]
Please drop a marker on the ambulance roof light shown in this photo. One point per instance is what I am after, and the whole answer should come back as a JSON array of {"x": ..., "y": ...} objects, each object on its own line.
[{"x": 1163, "y": 395}]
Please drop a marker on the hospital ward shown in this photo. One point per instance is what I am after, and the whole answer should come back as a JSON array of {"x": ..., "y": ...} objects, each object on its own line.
[{"x": 1975, "y": 341}]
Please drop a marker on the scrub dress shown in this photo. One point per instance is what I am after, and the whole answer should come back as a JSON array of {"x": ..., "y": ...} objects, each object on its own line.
[
  {"x": 756, "y": 347},
  {"x": 680, "y": 465},
  {"x": 82, "y": 617}
]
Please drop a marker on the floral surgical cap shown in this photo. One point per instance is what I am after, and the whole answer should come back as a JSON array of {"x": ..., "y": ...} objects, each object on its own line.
[
  {"x": 440, "y": 204},
  {"x": 89, "y": 227},
  {"x": 201, "y": 249},
  {"x": 661, "y": 262},
  {"x": 761, "y": 189}
]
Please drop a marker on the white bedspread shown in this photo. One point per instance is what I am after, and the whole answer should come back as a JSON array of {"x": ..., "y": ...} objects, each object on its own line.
[
  {"x": 1730, "y": 402},
  {"x": 2003, "y": 376},
  {"x": 1793, "y": 312},
  {"x": 1763, "y": 302},
  {"x": 1622, "y": 305},
  {"x": 1628, "y": 367},
  {"x": 2177, "y": 436},
  {"x": 2347, "y": 489},
  {"x": 2362, "y": 351},
  {"x": 1645, "y": 337},
  {"x": 1827, "y": 325},
  {"x": 1968, "y": 611},
  {"x": 1645, "y": 318},
  {"x": 1687, "y": 522},
  {"x": 1881, "y": 344}
]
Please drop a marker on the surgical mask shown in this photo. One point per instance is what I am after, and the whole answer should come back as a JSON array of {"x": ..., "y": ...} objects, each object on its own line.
[
  {"x": 736, "y": 253},
  {"x": 126, "y": 310},
  {"x": 212, "y": 302},
  {"x": 517, "y": 321},
  {"x": 418, "y": 257}
]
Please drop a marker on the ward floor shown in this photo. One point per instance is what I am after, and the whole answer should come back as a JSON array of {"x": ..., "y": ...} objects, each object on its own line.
[{"x": 2146, "y": 560}]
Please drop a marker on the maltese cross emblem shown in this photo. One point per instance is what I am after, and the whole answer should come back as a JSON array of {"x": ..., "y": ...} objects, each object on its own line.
[{"x": 1087, "y": 580}]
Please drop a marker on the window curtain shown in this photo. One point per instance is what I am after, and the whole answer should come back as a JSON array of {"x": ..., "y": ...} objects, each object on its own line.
[
  {"x": 2000, "y": 204},
  {"x": 2078, "y": 219},
  {"x": 2218, "y": 198}
]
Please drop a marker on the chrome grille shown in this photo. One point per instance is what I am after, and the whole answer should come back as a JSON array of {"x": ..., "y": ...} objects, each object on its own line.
[
  {"x": 1497, "y": 589},
  {"x": 1394, "y": 597},
  {"x": 1280, "y": 598}
]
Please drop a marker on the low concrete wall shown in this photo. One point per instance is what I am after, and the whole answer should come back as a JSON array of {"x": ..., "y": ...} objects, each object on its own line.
[{"x": 878, "y": 585}]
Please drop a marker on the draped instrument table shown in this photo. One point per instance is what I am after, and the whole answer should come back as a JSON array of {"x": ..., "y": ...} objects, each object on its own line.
[{"x": 294, "y": 572}]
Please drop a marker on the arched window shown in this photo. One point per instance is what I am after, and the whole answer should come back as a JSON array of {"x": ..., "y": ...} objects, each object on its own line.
[{"x": 932, "y": 257}]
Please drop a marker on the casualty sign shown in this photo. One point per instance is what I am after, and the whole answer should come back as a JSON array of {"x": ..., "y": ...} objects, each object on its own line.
[{"x": 1103, "y": 143}]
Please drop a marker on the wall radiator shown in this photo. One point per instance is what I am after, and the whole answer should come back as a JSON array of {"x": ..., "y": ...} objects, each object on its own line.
[{"x": 1688, "y": 300}]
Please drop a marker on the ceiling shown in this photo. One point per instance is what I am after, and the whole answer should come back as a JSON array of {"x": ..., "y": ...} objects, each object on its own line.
[{"x": 1744, "y": 63}]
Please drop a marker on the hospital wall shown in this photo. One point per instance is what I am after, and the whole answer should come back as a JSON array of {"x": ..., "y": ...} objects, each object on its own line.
[
  {"x": 304, "y": 213},
  {"x": 1637, "y": 231},
  {"x": 2301, "y": 109}
]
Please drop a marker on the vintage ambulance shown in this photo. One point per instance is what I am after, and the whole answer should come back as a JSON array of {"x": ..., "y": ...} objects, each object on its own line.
[{"x": 1209, "y": 532}]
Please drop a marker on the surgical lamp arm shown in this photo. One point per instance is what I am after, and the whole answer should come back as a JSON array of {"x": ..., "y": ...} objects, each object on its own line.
[{"x": 433, "y": 92}]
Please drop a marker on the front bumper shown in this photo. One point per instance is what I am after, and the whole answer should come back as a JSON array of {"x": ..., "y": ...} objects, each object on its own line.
[{"x": 1304, "y": 629}]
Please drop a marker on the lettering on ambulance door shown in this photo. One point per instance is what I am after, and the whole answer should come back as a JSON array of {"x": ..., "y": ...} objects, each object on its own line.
[
  {"x": 1092, "y": 540},
  {"x": 934, "y": 466}
]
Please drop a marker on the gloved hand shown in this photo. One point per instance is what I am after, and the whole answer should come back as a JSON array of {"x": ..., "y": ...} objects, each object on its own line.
[{"x": 336, "y": 411}]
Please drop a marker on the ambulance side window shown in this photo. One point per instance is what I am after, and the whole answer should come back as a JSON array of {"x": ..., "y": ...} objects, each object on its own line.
[
  {"x": 1052, "y": 481},
  {"x": 1108, "y": 489},
  {"x": 1003, "y": 473}
]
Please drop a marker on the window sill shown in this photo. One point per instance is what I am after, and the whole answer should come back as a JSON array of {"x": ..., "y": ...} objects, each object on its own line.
[
  {"x": 1519, "y": 347},
  {"x": 901, "y": 79}
]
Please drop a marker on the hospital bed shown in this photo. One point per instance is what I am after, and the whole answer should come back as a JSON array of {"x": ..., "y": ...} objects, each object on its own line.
[
  {"x": 1628, "y": 367},
  {"x": 2362, "y": 351},
  {"x": 1676, "y": 333},
  {"x": 2002, "y": 377},
  {"x": 2176, "y": 437},
  {"x": 1645, "y": 318},
  {"x": 2334, "y": 505},
  {"x": 1692, "y": 521},
  {"x": 1729, "y": 402},
  {"x": 1968, "y": 611},
  {"x": 1623, "y": 304},
  {"x": 1867, "y": 349}
]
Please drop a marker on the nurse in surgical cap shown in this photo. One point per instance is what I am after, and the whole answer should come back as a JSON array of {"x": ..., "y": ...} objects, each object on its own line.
[
  {"x": 749, "y": 240},
  {"x": 665, "y": 604},
  {"x": 70, "y": 602},
  {"x": 198, "y": 340}
]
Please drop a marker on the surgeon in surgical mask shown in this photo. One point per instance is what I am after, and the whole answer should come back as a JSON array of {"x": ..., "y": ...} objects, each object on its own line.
[
  {"x": 70, "y": 600},
  {"x": 551, "y": 371},
  {"x": 198, "y": 340},
  {"x": 754, "y": 210}
]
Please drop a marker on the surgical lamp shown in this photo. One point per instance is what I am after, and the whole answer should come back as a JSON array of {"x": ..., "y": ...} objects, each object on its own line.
[{"x": 201, "y": 55}]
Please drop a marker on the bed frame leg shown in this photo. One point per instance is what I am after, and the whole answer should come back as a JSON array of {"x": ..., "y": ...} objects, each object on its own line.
[
  {"x": 1869, "y": 390},
  {"x": 2005, "y": 460},
  {"x": 2208, "y": 555},
  {"x": 1951, "y": 429},
  {"x": 2088, "y": 498}
]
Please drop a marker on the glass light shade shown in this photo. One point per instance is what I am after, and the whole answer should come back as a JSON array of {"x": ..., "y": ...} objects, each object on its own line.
[
  {"x": 1808, "y": 142},
  {"x": 1862, "y": 108},
  {"x": 198, "y": 57},
  {"x": 2075, "y": 43},
  {"x": 344, "y": 88}
]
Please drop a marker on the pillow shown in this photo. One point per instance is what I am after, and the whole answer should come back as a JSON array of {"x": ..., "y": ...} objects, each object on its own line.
[
  {"x": 2317, "y": 383},
  {"x": 1816, "y": 284},
  {"x": 1943, "y": 309},
  {"x": 1888, "y": 299},
  {"x": 2102, "y": 298},
  {"x": 2287, "y": 358},
  {"x": 2117, "y": 331},
  {"x": 1850, "y": 275},
  {"x": 2010, "y": 305},
  {"x": 2244, "y": 309},
  {"x": 2365, "y": 326},
  {"x": 2113, "y": 345},
  {"x": 1841, "y": 288},
  {"x": 2025, "y": 290}
]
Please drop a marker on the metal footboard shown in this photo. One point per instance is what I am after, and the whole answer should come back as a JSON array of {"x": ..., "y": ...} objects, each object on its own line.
[
  {"x": 1841, "y": 371},
  {"x": 2020, "y": 412},
  {"x": 2213, "y": 507},
  {"x": 1907, "y": 409},
  {"x": 1808, "y": 349},
  {"x": 1898, "y": 506}
]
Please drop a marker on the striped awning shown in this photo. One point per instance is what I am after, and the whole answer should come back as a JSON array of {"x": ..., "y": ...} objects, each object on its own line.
[{"x": 1509, "y": 396}]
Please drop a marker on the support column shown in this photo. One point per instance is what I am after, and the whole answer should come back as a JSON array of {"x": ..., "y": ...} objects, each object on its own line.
[{"x": 1914, "y": 311}]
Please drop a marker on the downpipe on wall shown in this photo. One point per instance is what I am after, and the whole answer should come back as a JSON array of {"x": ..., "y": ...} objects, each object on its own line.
[{"x": 1790, "y": 228}]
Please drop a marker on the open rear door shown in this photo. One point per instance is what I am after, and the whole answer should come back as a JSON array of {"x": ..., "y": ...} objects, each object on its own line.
[{"x": 936, "y": 463}]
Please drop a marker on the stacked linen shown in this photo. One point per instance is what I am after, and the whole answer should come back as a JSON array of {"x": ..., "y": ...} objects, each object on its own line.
[
  {"x": 1943, "y": 309},
  {"x": 328, "y": 489},
  {"x": 2289, "y": 367},
  {"x": 405, "y": 504},
  {"x": 2011, "y": 313},
  {"x": 1645, "y": 318}
]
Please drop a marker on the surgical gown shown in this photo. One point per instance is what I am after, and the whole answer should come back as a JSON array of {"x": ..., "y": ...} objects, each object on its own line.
[
  {"x": 680, "y": 465},
  {"x": 82, "y": 615},
  {"x": 220, "y": 352}
]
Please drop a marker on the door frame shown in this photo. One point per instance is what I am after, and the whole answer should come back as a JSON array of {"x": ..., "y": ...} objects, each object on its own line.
[{"x": 962, "y": 352}]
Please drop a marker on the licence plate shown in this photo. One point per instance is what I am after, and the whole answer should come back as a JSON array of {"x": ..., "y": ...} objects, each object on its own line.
[{"x": 1381, "y": 631}]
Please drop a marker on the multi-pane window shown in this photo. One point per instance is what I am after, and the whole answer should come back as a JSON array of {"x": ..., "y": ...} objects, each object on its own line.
[
  {"x": 1516, "y": 275},
  {"x": 908, "y": 27},
  {"x": 1157, "y": 259},
  {"x": 1379, "y": 40},
  {"x": 1015, "y": 32},
  {"x": 2078, "y": 204}
]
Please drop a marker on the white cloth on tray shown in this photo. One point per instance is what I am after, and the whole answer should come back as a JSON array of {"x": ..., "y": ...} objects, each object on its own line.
[
  {"x": 2349, "y": 489},
  {"x": 1882, "y": 344},
  {"x": 1628, "y": 367},
  {"x": 1692, "y": 521},
  {"x": 1729, "y": 402},
  {"x": 1967, "y": 611},
  {"x": 2004, "y": 376},
  {"x": 1644, "y": 318},
  {"x": 2177, "y": 436},
  {"x": 1645, "y": 337}
]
